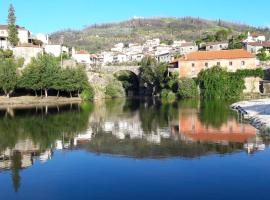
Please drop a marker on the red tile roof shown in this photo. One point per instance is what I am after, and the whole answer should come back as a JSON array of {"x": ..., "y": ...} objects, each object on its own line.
[
  {"x": 260, "y": 44},
  {"x": 82, "y": 52},
  {"x": 28, "y": 45},
  {"x": 216, "y": 55}
]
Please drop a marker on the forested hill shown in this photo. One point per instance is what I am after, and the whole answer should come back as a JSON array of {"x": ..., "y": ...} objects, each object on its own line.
[{"x": 101, "y": 37}]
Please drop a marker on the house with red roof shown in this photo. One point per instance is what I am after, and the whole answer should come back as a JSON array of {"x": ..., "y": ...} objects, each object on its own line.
[{"x": 191, "y": 64}]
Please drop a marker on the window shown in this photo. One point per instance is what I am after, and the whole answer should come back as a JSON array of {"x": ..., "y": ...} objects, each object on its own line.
[
  {"x": 243, "y": 63},
  {"x": 193, "y": 65},
  {"x": 211, "y": 47},
  {"x": 206, "y": 65},
  {"x": 218, "y": 63},
  {"x": 231, "y": 63}
]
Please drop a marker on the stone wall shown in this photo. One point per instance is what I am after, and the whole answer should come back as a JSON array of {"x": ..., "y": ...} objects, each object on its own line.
[{"x": 252, "y": 85}]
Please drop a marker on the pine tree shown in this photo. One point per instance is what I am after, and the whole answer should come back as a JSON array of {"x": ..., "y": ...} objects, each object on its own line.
[{"x": 12, "y": 28}]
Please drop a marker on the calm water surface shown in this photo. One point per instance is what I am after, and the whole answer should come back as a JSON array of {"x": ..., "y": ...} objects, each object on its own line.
[{"x": 132, "y": 149}]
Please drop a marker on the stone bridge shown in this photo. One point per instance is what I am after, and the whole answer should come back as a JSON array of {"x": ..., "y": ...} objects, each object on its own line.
[{"x": 115, "y": 69}]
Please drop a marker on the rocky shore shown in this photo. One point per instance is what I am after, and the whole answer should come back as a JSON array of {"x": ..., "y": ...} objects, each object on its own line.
[{"x": 257, "y": 112}]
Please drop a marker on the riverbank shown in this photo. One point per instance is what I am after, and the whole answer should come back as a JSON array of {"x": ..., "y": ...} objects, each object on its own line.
[
  {"x": 257, "y": 112},
  {"x": 31, "y": 101}
]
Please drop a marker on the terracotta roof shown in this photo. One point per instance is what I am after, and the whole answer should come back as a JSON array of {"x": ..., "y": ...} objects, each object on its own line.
[
  {"x": 260, "y": 44},
  {"x": 28, "y": 45},
  {"x": 216, "y": 55},
  {"x": 256, "y": 35},
  {"x": 82, "y": 52}
]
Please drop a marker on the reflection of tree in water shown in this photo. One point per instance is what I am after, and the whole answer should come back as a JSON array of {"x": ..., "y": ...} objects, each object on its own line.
[
  {"x": 215, "y": 113},
  {"x": 153, "y": 117},
  {"x": 16, "y": 166},
  {"x": 43, "y": 130},
  {"x": 139, "y": 148}
]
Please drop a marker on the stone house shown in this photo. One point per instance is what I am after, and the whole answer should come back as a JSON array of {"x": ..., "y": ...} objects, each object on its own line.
[{"x": 190, "y": 65}]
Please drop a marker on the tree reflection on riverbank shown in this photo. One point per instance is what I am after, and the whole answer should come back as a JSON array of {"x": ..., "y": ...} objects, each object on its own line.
[{"x": 140, "y": 128}]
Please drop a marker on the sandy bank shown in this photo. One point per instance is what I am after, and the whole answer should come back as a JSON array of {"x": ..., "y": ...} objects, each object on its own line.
[{"x": 30, "y": 101}]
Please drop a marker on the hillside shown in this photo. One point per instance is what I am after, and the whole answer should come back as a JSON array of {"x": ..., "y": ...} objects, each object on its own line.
[{"x": 97, "y": 38}]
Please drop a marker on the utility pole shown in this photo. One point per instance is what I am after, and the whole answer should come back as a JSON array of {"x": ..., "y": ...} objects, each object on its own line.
[{"x": 61, "y": 43}]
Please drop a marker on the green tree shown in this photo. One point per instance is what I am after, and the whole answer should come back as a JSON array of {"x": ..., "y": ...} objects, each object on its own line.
[
  {"x": 187, "y": 88},
  {"x": 12, "y": 27},
  {"x": 217, "y": 83},
  {"x": 31, "y": 77},
  {"x": 8, "y": 76},
  {"x": 221, "y": 35},
  {"x": 6, "y": 54},
  {"x": 262, "y": 55},
  {"x": 153, "y": 74}
]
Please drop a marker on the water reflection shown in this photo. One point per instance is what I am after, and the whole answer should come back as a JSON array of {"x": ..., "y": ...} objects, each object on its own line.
[{"x": 135, "y": 128}]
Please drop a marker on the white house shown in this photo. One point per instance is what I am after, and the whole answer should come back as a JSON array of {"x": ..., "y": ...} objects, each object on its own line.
[
  {"x": 254, "y": 38},
  {"x": 27, "y": 51},
  {"x": 216, "y": 46},
  {"x": 23, "y": 35},
  {"x": 82, "y": 57},
  {"x": 118, "y": 47},
  {"x": 164, "y": 57},
  {"x": 107, "y": 57},
  {"x": 255, "y": 47},
  {"x": 178, "y": 43},
  {"x": 120, "y": 58},
  {"x": 56, "y": 49},
  {"x": 187, "y": 48},
  {"x": 43, "y": 38}
]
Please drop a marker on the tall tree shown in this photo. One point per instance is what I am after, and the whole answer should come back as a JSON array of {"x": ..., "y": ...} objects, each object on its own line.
[
  {"x": 12, "y": 28},
  {"x": 8, "y": 76}
]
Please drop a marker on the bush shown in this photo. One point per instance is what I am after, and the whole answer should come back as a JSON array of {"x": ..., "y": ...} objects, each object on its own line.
[
  {"x": 187, "y": 88},
  {"x": 168, "y": 95},
  {"x": 114, "y": 90},
  {"x": 87, "y": 94},
  {"x": 217, "y": 83}
]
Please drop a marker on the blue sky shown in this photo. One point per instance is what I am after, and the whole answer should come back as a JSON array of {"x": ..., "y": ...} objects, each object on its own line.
[{"x": 52, "y": 15}]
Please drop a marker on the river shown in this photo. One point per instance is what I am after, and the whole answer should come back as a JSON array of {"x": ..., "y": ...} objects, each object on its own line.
[{"x": 132, "y": 149}]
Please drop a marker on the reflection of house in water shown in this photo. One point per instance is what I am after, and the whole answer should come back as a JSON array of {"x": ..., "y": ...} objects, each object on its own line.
[
  {"x": 254, "y": 144},
  {"x": 29, "y": 152},
  {"x": 21, "y": 156},
  {"x": 192, "y": 128},
  {"x": 132, "y": 129},
  {"x": 81, "y": 138}
]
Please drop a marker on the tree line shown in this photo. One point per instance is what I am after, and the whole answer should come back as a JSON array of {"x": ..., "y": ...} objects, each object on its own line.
[{"x": 44, "y": 73}]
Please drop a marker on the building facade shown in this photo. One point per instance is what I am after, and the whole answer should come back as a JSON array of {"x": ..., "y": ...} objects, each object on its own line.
[
  {"x": 191, "y": 64},
  {"x": 23, "y": 35}
]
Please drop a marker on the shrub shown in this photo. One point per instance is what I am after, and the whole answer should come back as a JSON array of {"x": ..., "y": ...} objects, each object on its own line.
[
  {"x": 168, "y": 95},
  {"x": 87, "y": 94},
  {"x": 217, "y": 83},
  {"x": 114, "y": 90},
  {"x": 187, "y": 88}
]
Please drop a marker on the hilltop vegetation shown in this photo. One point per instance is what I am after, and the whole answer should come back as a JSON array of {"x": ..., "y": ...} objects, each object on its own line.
[{"x": 96, "y": 38}]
